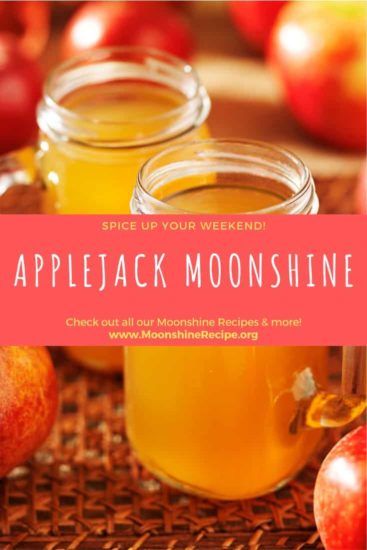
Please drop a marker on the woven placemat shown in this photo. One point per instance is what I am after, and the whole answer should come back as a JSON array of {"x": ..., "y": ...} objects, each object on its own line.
[{"x": 85, "y": 490}]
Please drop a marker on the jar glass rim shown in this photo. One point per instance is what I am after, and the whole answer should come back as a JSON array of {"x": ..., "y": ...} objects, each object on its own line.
[
  {"x": 194, "y": 107},
  {"x": 306, "y": 190}
]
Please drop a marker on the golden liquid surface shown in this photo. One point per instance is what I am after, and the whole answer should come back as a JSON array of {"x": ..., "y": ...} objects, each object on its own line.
[
  {"x": 216, "y": 420},
  {"x": 228, "y": 199},
  {"x": 123, "y": 102}
]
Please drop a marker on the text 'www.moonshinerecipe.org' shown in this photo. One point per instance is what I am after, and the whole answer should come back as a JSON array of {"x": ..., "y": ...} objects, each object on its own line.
[{"x": 185, "y": 335}]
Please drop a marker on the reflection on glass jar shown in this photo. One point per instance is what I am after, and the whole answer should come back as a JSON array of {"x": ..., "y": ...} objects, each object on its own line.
[
  {"x": 219, "y": 421},
  {"x": 102, "y": 116}
]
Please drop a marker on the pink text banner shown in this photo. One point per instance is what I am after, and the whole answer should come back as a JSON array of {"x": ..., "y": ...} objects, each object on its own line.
[{"x": 183, "y": 280}]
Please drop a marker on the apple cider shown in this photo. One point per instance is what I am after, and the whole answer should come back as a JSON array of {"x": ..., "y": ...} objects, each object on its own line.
[
  {"x": 101, "y": 182},
  {"x": 214, "y": 198},
  {"x": 217, "y": 421},
  {"x": 102, "y": 116}
]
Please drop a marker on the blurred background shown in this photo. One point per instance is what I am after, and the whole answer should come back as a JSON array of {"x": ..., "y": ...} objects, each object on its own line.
[{"x": 292, "y": 73}]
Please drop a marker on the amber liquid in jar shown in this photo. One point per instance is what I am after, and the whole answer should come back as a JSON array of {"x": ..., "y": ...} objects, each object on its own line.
[
  {"x": 98, "y": 180},
  {"x": 231, "y": 198},
  {"x": 217, "y": 421},
  {"x": 103, "y": 115}
]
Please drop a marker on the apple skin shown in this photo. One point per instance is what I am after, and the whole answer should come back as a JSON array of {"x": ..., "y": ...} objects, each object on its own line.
[
  {"x": 318, "y": 51},
  {"x": 29, "y": 22},
  {"x": 255, "y": 20},
  {"x": 106, "y": 360},
  {"x": 147, "y": 24},
  {"x": 340, "y": 494},
  {"x": 20, "y": 91},
  {"x": 28, "y": 403}
]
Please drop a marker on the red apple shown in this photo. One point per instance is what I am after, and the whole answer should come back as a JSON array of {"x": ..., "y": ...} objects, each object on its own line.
[
  {"x": 29, "y": 21},
  {"x": 28, "y": 403},
  {"x": 20, "y": 91},
  {"x": 149, "y": 24},
  {"x": 255, "y": 20},
  {"x": 319, "y": 52},
  {"x": 340, "y": 494}
]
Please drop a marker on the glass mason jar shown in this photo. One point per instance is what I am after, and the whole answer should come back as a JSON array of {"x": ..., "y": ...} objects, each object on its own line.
[
  {"x": 102, "y": 116},
  {"x": 225, "y": 422}
]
